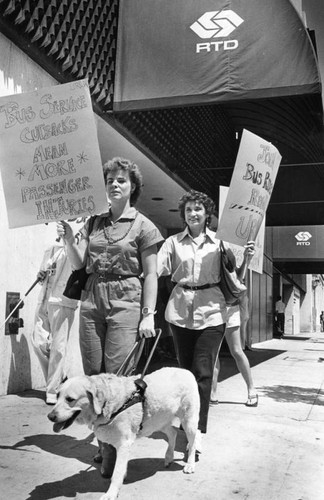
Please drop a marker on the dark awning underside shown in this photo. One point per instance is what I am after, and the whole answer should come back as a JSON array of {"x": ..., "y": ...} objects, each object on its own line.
[{"x": 197, "y": 144}]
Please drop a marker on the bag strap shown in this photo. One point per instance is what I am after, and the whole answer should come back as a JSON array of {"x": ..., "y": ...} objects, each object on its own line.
[
  {"x": 226, "y": 260},
  {"x": 91, "y": 223}
]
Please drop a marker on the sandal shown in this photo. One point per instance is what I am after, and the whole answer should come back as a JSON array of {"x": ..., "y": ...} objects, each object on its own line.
[{"x": 252, "y": 400}]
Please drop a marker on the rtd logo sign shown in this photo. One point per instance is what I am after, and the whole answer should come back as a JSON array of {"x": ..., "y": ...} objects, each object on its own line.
[
  {"x": 216, "y": 24},
  {"x": 303, "y": 238}
]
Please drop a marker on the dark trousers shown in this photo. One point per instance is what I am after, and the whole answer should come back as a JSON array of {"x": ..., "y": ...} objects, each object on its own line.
[
  {"x": 197, "y": 351},
  {"x": 281, "y": 322}
]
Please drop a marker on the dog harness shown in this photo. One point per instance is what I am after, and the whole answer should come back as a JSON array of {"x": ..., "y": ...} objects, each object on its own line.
[{"x": 137, "y": 396}]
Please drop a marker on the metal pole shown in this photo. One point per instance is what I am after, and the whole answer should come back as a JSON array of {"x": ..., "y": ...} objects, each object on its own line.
[{"x": 157, "y": 338}]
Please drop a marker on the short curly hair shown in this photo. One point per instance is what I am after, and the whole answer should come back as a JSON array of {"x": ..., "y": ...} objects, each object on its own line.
[
  {"x": 134, "y": 172},
  {"x": 198, "y": 197}
]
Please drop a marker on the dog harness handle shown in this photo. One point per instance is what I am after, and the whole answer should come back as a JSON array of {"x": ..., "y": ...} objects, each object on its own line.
[{"x": 139, "y": 395}]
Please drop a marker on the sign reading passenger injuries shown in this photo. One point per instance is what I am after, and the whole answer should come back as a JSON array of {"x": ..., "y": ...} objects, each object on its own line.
[
  {"x": 252, "y": 183},
  {"x": 50, "y": 160}
]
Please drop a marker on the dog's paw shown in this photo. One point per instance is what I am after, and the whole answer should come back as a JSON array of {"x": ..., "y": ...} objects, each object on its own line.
[{"x": 189, "y": 469}]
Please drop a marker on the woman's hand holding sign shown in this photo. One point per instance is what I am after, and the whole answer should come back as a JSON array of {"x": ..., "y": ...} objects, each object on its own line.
[
  {"x": 64, "y": 231},
  {"x": 249, "y": 249},
  {"x": 76, "y": 253}
]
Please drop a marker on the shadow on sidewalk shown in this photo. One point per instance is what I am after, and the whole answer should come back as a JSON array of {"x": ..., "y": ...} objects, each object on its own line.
[
  {"x": 90, "y": 481},
  {"x": 61, "y": 445},
  {"x": 294, "y": 394},
  {"x": 255, "y": 357},
  {"x": 84, "y": 481}
]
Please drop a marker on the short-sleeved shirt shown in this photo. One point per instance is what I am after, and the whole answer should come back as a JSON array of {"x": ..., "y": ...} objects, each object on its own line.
[
  {"x": 116, "y": 247},
  {"x": 194, "y": 264},
  {"x": 280, "y": 307}
]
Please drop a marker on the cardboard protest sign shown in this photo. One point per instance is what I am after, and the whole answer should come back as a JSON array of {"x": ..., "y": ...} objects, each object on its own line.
[
  {"x": 49, "y": 155},
  {"x": 256, "y": 263},
  {"x": 253, "y": 179}
]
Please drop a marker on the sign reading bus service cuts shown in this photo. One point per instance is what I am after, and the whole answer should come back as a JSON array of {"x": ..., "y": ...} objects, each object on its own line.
[
  {"x": 50, "y": 160},
  {"x": 250, "y": 190}
]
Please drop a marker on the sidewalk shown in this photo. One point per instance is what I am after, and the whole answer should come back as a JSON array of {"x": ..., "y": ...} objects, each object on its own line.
[{"x": 272, "y": 452}]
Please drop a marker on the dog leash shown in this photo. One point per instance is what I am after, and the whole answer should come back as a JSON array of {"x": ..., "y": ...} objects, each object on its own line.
[{"x": 139, "y": 394}]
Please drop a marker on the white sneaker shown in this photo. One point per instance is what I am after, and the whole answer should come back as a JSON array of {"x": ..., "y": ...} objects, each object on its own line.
[{"x": 51, "y": 399}]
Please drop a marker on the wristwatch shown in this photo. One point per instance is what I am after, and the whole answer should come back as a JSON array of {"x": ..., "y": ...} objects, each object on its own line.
[{"x": 147, "y": 310}]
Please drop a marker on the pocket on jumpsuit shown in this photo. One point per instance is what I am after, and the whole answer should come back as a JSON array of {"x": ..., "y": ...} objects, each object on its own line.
[{"x": 129, "y": 290}]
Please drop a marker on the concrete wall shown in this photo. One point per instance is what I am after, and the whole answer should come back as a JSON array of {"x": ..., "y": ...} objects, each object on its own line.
[{"x": 21, "y": 250}]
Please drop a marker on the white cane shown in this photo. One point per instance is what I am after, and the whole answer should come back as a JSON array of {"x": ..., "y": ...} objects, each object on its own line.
[{"x": 20, "y": 301}]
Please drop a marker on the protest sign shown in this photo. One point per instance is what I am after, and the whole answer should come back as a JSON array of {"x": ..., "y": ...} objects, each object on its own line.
[
  {"x": 256, "y": 263},
  {"x": 49, "y": 155},
  {"x": 253, "y": 179}
]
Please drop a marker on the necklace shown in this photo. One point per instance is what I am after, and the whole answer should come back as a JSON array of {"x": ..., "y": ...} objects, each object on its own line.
[{"x": 108, "y": 237}]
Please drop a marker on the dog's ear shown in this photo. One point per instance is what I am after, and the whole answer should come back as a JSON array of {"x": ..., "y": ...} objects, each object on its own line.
[{"x": 96, "y": 399}]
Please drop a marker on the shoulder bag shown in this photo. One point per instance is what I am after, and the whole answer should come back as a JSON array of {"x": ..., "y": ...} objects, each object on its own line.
[
  {"x": 230, "y": 285},
  {"x": 78, "y": 278}
]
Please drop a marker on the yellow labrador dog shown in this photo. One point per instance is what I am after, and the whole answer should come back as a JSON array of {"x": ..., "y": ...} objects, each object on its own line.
[{"x": 96, "y": 400}]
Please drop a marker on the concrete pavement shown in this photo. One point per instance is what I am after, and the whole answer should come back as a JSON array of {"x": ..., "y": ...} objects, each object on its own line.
[{"x": 272, "y": 452}]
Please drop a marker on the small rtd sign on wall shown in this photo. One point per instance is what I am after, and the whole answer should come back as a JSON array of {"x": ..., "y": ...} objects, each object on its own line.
[{"x": 298, "y": 243}]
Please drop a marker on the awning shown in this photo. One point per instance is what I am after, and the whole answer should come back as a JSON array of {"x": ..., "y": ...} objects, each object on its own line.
[
  {"x": 194, "y": 144},
  {"x": 210, "y": 51}
]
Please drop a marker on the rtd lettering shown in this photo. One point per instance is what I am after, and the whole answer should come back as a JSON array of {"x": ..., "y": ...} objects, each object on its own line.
[
  {"x": 216, "y": 46},
  {"x": 303, "y": 243}
]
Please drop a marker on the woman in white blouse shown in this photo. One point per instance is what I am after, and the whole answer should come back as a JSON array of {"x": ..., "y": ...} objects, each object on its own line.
[{"x": 196, "y": 309}]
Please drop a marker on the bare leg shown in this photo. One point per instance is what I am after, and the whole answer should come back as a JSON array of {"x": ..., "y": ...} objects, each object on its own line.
[{"x": 233, "y": 340}]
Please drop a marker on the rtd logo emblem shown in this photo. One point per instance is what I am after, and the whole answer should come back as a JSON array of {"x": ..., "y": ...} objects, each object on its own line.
[
  {"x": 302, "y": 238},
  {"x": 216, "y": 24}
]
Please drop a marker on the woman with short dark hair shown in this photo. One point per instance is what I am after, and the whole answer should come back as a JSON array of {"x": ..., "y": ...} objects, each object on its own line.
[{"x": 119, "y": 250}]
